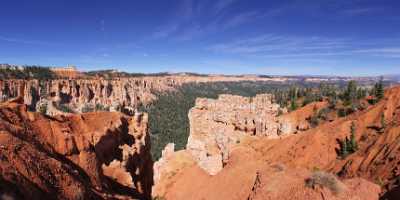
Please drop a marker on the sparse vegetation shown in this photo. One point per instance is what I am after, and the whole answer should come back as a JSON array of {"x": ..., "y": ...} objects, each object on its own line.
[
  {"x": 158, "y": 198},
  {"x": 87, "y": 108},
  {"x": 383, "y": 123},
  {"x": 43, "y": 108},
  {"x": 168, "y": 114},
  {"x": 64, "y": 108},
  {"x": 175, "y": 105},
  {"x": 379, "y": 90},
  {"x": 324, "y": 179},
  {"x": 348, "y": 146},
  {"x": 100, "y": 107}
]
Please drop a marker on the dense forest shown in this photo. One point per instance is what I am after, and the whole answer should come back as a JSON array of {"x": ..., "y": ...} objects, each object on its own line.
[{"x": 168, "y": 115}]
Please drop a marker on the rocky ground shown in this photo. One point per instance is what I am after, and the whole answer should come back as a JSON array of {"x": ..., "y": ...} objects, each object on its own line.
[{"x": 305, "y": 165}]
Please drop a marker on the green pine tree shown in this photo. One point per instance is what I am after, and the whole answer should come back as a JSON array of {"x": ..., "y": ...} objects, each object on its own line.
[
  {"x": 379, "y": 90},
  {"x": 293, "y": 105},
  {"x": 353, "y": 142},
  {"x": 344, "y": 149},
  {"x": 350, "y": 95}
]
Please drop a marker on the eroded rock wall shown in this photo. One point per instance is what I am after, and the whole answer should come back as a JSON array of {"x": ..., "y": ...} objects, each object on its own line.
[
  {"x": 218, "y": 124},
  {"x": 89, "y": 156},
  {"x": 79, "y": 92}
]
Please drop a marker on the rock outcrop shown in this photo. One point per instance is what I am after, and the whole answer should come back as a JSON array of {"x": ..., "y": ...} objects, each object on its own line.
[
  {"x": 81, "y": 92},
  {"x": 165, "y": 156},
  {"x": 248, "y": 176},
  {"x": 302, "y": 166},
  {"x": 218, "y": 124},
  {"x": 88, "y": 156}
]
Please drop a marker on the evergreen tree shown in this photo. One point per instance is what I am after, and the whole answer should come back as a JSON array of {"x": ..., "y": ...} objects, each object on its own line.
[
  {"x": 361, "y": 93},
  {"x": 379, "y": 90},
  {"x": 353, "y": 142},
  {"x": 350, "y": 95},
  {"x": 293, "y": 105}
]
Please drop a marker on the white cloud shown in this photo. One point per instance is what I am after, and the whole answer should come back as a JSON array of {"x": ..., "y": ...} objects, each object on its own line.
[{"x": 295, "y": 47}]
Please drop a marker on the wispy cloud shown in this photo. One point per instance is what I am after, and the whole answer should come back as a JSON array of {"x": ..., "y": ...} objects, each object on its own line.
[
  {"x": 395, "y": 50},
  {"x": 388, "y": 52},
  {"x": 241, "y": 18},
  {"x": 222, "y": 4},
  {"x": 195, "y": 19},
  {"x": 295, "y": 47},
  {"x": 361, "y": 11},
  {"x": 165, "y": 31},
  {"x": 25, "y": 41},
  {"x": 273, "y": 43}
]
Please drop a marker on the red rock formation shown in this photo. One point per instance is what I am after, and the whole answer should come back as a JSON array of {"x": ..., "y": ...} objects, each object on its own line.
[
  {"x": 71, "y": 157},
  {"x": 217, "y": 125},
  {"x": 285, "y": 165},
  {"x": 248, "y": 176},
  {"x": 83, "y": 91}
]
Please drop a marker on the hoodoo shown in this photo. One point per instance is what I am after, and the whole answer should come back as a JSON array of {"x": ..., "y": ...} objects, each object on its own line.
[{"x": 88, "y": 156}]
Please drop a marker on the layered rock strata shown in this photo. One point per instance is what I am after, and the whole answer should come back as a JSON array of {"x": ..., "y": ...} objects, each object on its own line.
[
  {"x": 218, "y": 124},
  {"x": 89, "y": 156},
  {"x": 109, "y": 93}
]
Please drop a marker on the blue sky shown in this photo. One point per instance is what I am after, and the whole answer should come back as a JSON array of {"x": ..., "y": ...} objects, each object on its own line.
[{"x": 285, "y": 37}]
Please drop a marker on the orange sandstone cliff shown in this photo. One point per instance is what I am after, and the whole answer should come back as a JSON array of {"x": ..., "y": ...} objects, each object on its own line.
[
  {"x": 101, "y": 155},
  {"x": 79, "y": 92}
]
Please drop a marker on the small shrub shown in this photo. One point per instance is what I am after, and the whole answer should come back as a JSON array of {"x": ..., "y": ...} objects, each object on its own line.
[
  {"x": 316, "y": 169},
  {"x": 372, "y": 101},
  {"x": 100, "y": 107},
  {"x": 379, "y": 182},
  {"x": 314, "y": 121},
  {"x": 43, "y": 108},
  {"x": 342, "y": 112},
  {"x": 323, "y": 113},
  {"x": 383, "y": 123},
  {"x": 87, "y": 108},
  {"x": 64, "y": 108},
  {"x": 158, "y": 198},
  {"x": 324, "y": 179},
  {"x": 280, "y": 112},
  {"x": 279, "y": 167}
]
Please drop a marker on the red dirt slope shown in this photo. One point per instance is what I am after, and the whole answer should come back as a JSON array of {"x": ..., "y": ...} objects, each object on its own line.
[{"x": 283, "y": 165}]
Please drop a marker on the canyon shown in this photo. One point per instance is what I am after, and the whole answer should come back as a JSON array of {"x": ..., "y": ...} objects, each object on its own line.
[
  {"x": 238, "y": 147},
  {"x": 113, "y": 94},
  {"x": 302, "y": 164},
  {"x": 89, "y": 156}
]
